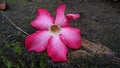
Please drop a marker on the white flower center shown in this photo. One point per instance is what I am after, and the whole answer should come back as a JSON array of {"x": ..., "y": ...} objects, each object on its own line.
[{"x": 54, "y": 30}]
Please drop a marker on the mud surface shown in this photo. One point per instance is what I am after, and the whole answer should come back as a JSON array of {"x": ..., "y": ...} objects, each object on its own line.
[{"x": 99, "y": 22}]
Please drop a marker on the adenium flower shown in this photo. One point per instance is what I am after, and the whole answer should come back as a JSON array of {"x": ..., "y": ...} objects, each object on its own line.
[
  {"x": 54, "y": 34},
  {"x": 2, "y": 6}
]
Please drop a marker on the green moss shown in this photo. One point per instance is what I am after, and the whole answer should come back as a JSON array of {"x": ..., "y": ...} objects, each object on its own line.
[
  {"x": 15, "y": 46},
  {"x": 43, "y": 58},
  {"x": 17, "y": 49},
  {"x": 17, "y": 52},
  {"x": 21, "y": 62},
  {"x": 8, "y": 63}
]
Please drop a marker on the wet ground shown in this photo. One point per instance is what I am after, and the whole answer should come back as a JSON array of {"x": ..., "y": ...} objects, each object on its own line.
[{"x": 99, "y": 22}]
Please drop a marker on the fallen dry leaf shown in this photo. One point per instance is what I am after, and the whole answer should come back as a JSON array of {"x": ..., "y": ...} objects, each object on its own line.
[
  {"x": 96, "y": 48},
  {"x": 91, "y": 49},
  {"x": 79, "y": 53}
]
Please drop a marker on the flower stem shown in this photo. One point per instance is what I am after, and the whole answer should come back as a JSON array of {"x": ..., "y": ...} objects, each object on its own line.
[{"x": 13, "y": 23}]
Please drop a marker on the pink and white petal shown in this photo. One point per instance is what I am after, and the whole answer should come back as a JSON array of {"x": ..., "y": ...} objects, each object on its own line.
[
  {"x": 38, "y": 41},
  {"x": 43, "y": 19},
  {"x": 72, "y": 16},
  {"x": 56, "y": 49},
  {"x": 60, "y": 17},
  {"x": 71, "y": 37}
]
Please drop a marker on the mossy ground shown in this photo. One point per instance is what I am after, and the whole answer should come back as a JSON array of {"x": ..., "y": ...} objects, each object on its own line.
[{"x": 99, "y": 22}]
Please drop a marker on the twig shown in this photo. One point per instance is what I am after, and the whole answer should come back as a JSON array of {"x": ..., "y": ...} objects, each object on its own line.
[
  {"x": 13, "y": 23},
  {"x": 101, "y": 50}
]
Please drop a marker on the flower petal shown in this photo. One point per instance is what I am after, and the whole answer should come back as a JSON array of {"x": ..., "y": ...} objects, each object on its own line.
[
  {"x": 72, "y": 16},
  {"x": 56, "y": 49},
  {"x": 71, "y": 37},
  {"x": 60, "y": 17},
  {"x": 43, "y": 19},
  {"x": 37, "y": 41}
]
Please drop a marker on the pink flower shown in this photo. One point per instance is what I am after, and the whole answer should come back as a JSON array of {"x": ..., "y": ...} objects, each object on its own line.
[{"x": 52, "y": 35}]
